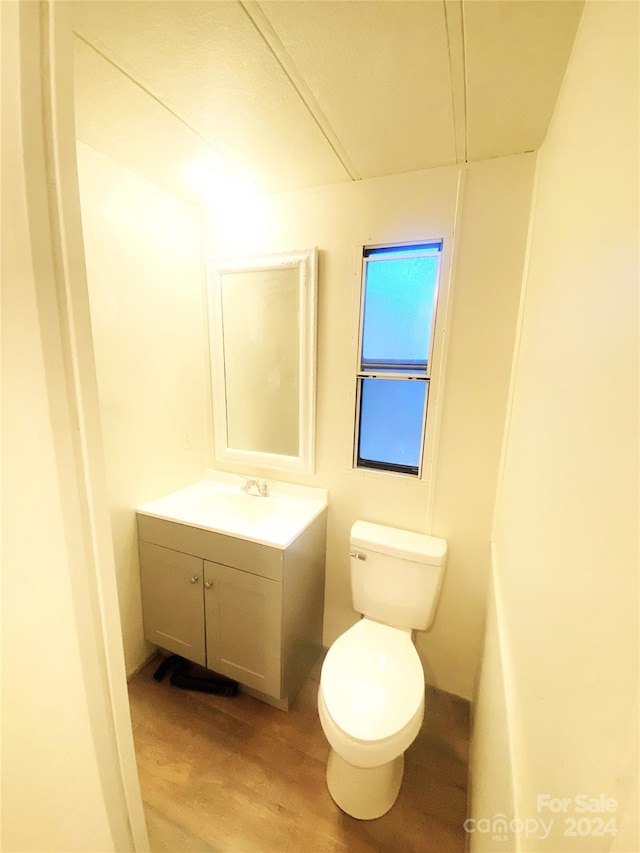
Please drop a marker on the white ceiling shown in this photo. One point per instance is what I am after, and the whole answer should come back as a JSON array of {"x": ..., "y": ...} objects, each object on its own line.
[{"x": 303, "y": 93}]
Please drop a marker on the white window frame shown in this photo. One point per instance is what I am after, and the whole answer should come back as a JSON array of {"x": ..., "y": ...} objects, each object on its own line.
[{"x": 431, "y": 376}]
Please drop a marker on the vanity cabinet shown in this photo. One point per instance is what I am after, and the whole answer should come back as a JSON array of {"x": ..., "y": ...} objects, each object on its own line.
[{"x": 249, "y": 611}]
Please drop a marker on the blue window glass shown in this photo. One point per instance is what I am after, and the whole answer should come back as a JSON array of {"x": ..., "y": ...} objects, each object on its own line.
[
  {"x": 391, "y": 416},
  {"x": 398, "y": 311}
]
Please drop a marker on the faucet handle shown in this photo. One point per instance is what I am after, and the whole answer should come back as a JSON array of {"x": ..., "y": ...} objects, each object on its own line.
[{"x": 261, "y": 486}]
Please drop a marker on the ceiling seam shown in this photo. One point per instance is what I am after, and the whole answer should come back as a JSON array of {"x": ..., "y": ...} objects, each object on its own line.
[
  {"x": 464, "y": 80},
  {"x": 271, "y": 39},
  {"x": 458, "y": 104},
  {"x": 90, "y": 44}
]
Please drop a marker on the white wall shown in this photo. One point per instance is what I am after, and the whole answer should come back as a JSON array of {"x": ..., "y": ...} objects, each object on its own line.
[
  {"x": 492, "y": 227},
  {"x": 492, "y": 240},
  {"x": 493, "y": 774},
  {"x": 566, "y": 530},
  {"x": 144, "y": 271}
]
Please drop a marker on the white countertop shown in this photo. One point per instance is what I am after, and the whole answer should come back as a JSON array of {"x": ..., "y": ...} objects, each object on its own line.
[{"x": 217, "y": 503}]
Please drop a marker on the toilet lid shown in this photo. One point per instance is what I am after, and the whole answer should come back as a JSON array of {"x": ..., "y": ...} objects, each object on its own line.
[{"x": 372, "y": 680}]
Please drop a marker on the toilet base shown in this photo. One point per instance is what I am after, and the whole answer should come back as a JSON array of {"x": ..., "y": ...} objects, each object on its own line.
[{"x": 364, "y": 792}]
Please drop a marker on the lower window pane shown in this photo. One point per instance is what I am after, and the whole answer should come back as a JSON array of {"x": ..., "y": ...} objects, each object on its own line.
[{"x": 391, "y": 419}]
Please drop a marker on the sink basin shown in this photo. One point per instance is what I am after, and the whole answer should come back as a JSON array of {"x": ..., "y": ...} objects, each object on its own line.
[
  {"x": 249, "y": 508},
  {"x": 222, "y": 507}
]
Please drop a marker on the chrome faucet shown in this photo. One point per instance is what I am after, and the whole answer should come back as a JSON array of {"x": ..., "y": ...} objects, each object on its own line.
[{"x": 261, "y": 487}]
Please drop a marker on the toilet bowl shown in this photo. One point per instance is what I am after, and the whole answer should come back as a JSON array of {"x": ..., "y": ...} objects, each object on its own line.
[
  {"x": 371, "y": 707},
  {"x": 371, "y": 694}
]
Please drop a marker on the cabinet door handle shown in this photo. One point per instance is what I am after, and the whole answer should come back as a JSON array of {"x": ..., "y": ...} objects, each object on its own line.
[
  {"x": 194, "y": 579},
  {"x": 208, "y": 584}
]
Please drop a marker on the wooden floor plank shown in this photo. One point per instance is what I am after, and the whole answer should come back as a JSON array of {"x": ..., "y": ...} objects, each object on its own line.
[{"x": 236, "y": 775}]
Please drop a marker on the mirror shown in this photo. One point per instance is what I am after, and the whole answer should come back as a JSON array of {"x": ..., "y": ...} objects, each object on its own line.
[{"x": 262, "y": 339}]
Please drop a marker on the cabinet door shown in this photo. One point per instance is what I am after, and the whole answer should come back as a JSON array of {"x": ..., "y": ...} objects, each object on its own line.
[
  {"x": 172, "y": 605},
  {"x": 243, "y": 617}
]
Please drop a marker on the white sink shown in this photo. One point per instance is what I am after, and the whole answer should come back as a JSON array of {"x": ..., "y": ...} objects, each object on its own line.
[
  {"x": 234, "y": 506},
  {"x": 220, "y": 505}
]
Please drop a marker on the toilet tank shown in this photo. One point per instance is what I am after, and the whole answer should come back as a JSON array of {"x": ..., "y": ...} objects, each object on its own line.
[{"x": 396, "y": 574}]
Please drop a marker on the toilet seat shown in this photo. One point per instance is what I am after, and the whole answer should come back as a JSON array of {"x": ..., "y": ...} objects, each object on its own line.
[{"x": 372, "y": 682}]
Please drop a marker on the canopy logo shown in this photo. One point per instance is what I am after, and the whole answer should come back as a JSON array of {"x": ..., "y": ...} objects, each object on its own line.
[
  {"x": 501, "y": 829},
  {"x": 580, "y": 816}
]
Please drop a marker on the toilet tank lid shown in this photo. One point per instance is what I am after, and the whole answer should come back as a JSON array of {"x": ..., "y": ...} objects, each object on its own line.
[{"x": 399, "y": 543}]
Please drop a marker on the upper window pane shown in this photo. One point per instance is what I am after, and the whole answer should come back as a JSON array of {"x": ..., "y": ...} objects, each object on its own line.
[{"x": 399, "y": 302}]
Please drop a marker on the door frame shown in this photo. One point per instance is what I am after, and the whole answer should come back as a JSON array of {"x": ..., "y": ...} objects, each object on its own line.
[{"x": 53, "y": 206}]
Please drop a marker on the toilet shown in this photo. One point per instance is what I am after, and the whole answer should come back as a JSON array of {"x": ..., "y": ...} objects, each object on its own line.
[{"x": 371, "y": 695}]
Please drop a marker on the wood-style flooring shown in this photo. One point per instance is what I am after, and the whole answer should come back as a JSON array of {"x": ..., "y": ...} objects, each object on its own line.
[{"x": 238, "y": 776}]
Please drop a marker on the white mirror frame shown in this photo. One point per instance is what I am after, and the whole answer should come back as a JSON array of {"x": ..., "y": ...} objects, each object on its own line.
[{"x": 305, "y": 260}]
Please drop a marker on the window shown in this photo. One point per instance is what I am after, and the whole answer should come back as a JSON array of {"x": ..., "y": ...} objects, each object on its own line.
[{"x": 397, "y": 321}]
